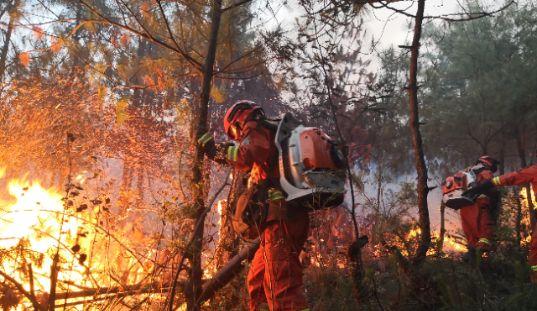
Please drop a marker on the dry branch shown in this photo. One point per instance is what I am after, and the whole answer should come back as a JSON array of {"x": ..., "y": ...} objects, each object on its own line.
[
  {"x": 21, "y": 289},
  {"x": 230, "y": 270},
  {"x": 147, "y": 35},
  {"x": 155, "y": 287},
  {"x": 452, "y": 17},
  {"x": 221, "y": 278}
]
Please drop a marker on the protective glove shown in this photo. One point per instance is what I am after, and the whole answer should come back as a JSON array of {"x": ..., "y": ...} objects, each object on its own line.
[
  {"x": 474, "y": 192},
  {"x": 213, "y": 150},
  {"x": 206, "y": 143},
  {"x": 205, "y": 138}
]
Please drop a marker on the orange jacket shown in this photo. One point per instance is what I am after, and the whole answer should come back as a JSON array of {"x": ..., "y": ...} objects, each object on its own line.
[
  {"x": 527, "y": 175},
  {"x": 524, "y": 176},
  {"x": 256, "y": 152}
]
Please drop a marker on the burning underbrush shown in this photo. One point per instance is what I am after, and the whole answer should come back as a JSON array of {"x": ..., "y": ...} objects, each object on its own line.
[
  {"x": 64, "y": 245},
  {"x": 77, "y": 247}
]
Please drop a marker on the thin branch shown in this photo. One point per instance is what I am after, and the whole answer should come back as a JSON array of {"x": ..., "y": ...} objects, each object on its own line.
[
  {"x": 156, "y": 287},
  {"x": 168, "y": 27},
  {"x": 446, "y": 17},
  {"x": 28, "y": 295},
  {"x": 386, "y": 6},
  {"x": 146, "y": 35},
  {"x": 199, "y": 223},
  {"x": 470, "y": 15},
  {"x": 236, "y": 60}
]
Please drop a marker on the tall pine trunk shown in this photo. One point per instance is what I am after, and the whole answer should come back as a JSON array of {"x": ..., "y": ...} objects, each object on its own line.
[
  {"x": 199, "y": 126},
  {"x": 442, "y": 234},
  {"x": 7, "y": 39},
  {"x": 414, "y": 122}
]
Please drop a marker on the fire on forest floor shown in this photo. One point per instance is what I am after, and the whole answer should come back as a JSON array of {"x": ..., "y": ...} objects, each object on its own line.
[{"x": 47, "y": 232}]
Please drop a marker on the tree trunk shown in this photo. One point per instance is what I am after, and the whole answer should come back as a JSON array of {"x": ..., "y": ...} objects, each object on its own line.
[
  {"x": 53, "y": 282},
  {"x": 5, "y": 47},
  {"x": 199, "y": 126},
  {"x": 442, "y": 233},
  {"x": 229, "y": 271},
  {"x": 379, "y": 184},
  {"x": 414, "y": 122}
]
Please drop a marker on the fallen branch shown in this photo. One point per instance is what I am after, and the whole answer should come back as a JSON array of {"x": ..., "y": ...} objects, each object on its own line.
[
  {"x": 20, "y": 288},
  {"x": 228, "y": 272},
  {"x": 222, "y": 277},
  {"x": 136, "y": 289}
]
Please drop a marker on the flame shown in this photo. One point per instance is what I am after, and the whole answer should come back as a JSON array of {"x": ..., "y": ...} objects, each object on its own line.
[
  {"x": 256, "y": 175},
  {"x": 524, "y": 196},
  {"x": 450, "y": 245},
  {"x": 525, "y": 221},
  {"x": 34, "y": 218},
  {"x": 81, "y": 178},
  {"x": 36, "y": 223},
  {"x": 219, "y": 207},
  {"x": 27, "y": 212},
  {"x": 413, "y": 233},
  {"x": 210, "y": 270}
]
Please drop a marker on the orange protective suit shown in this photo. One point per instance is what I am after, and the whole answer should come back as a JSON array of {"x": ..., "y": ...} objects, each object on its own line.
[
  {"x": 275, "y": 275},
  {"x": 524, "y": 176},
  {"x": 477, "y": 222}
]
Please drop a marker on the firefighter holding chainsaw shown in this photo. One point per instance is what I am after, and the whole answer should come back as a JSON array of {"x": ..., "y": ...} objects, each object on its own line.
[
  {"x": 275, "y": 275},
  {"x": 524, "y": 176},
  {"x": 478, "y": 220}
]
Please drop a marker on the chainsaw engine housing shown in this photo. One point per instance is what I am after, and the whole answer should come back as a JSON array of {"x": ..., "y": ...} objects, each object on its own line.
[
  {"x": 454, "y": 186},
  {"x": 310, "y": 165}
]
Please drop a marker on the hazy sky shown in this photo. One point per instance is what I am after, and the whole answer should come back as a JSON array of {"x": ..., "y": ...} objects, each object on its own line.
[
  {"x": 390, "y": 28},
  {"x": 387, "y": 28}
]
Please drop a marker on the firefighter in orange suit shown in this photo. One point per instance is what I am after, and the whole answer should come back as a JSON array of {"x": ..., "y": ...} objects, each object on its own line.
[
  {"x": 275, "y": 276},
  {"x": 524, "y": 176},
  {"x": 478, "y": 222}
]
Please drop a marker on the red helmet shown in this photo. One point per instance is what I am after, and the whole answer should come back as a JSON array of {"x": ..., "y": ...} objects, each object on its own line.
[
  {"x": 237, "y": 116},
  {"x": 489, "y": 161}
]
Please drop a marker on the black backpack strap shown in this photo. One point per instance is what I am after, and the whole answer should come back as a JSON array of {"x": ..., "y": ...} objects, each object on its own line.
[{"x": 271, "y": 124}]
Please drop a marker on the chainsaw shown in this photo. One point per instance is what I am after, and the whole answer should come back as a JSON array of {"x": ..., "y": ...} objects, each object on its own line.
[{"x": 454, "y": 186}]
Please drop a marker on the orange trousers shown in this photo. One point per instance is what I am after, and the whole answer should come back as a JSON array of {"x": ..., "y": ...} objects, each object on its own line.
[
  {"x": 275, "y": 275},
  {"x": 478, "y": 225}
]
